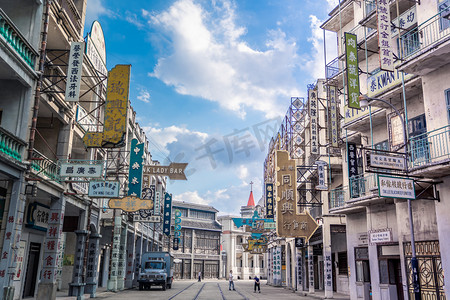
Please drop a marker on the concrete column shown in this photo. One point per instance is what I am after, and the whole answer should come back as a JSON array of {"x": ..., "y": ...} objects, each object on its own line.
[
  {"x": 300, "y": 274},
  {"x": 130, "y": 260},
  {"x": 106, "y": 256},
  {"x": 192, "y": 254},
  {"x": 92, "y": 264},
  {"x": 48, "y": 285},
  {"x": 232, "y": 254},
  {"x": 311, "y": 269},
  {"x": 327, "y": 261},
  {"x": 112, "y": 282},
  {"x": 137, "y": 262},
  {"x": 288, "y": 265},
  {"x": 122, "y": 259},
  {"x": 76, "y": 287}
]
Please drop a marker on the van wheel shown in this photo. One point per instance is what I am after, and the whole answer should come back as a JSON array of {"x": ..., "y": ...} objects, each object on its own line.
[
  {"x": 141, "y": 286},
  {"x": 164, "y": 286}
]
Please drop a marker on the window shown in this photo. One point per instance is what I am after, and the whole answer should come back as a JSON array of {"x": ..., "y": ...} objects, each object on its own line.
[
  {"x": 342, "y": 263},
  {"x": 197, "y": 214},
  {"x": 384, "y": 145},
  {"x": 443, "y": 7},
  {"x": 447, "y": 100},
  {"x": 362, "y": 264}
]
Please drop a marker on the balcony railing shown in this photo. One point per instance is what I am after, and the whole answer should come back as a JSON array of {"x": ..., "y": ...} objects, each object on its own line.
[
  {"x": 426, "y": 34},
  {"x": 430, "y": 147},
  {"x": 11, "y": 145},
  {"x": 43, "y": 165},
  {"x": 362, "y": 185},
  {"x": 337, "y": 197},
  {"x": 14, "y": 38},
  {"x": 333, "y": 68}
]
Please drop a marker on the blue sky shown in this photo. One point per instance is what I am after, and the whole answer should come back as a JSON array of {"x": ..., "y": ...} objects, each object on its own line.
[{"x": 212, "y": 79}]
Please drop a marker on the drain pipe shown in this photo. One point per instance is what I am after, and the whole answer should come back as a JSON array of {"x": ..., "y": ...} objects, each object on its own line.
[{"x": 40, "y": 71}]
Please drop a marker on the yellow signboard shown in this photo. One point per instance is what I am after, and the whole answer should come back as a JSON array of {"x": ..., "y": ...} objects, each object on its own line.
[
  {"x": 256, "y": 245},
  {"x": 130, "y": 203},
  {"x": 116, "y": 108},
  {"x": 290, "y": 223},
  {"x": 384, "y": 80},
  {"x": 352, "y": 114}
]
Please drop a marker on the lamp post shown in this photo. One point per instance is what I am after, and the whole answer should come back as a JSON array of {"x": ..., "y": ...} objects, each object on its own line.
[{"x": 365, "y": 101}]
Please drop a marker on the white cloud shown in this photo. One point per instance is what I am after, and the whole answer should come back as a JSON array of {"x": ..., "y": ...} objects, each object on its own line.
[
  {"x": 192, "y": 197},
  {"x": 243, "y": 172},
  {"x": 211, "y": 60},
  {"x": 171, "y": 134},
  {"x": 332, "y": 4},
  {"x": 94, "y": 10},
  {"x": 144, "y": 95}
]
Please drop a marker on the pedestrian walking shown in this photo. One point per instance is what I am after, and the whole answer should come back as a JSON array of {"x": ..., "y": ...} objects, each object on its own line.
[
  {"x": 257, "y": 284},
  {"x": 230, "y": 280},
  {"x": 199, "y": 276}
]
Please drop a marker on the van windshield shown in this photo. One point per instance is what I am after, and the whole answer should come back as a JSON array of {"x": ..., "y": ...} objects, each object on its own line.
[{"x": 154, "y": 265}]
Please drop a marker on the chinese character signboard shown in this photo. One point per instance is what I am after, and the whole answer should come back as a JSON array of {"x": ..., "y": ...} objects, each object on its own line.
[
  {"x": 384, "y": 36},
  {"x": 406, "y": 20},
  {"x": 144, "y": 216},
  {"x": 86, "y": 170},
  {"x": 96, "y": 50},
  {"x": 289, "y": 222},
  {"x": 38, "y": 216},
  {"x": 352, "y": 160},
  {"x": 175, "y": 171},
  {"x": 396, "y": 187},
  {"x": 277, "y": 265},
  {"x": 130, "y": 203},
  {"x": 313, "y": 123},
  {"x": 135, "y": 169},
  {"x": 351, "y": 55},
  {"x": 269, "y": 200},
  {"x": 321, "y": 176},
  {"x": 74, "y": 70},
  {"x": 157, "y": 204},
  {"x": 104, "y": 189},
  {"x": 18, "y": 260},
  {"x": 167, "y": 213},
  {"x": 385, "y": 161},
  {"x": 380, "y": 236},
  {"x": 334, "y": 117},
  {"x": 116, "y": 109},
  {"x": 383, "y": 81}
]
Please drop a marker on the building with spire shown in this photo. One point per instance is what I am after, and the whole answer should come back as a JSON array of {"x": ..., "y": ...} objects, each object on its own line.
[{"x": 245, "y": 265}]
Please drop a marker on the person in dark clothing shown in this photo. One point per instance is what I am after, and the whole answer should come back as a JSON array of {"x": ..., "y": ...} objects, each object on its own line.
[{"x": 257, "y": 284}]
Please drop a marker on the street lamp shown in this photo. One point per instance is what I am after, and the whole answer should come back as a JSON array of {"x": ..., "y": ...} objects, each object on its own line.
[{"x": 366, "y": 101}]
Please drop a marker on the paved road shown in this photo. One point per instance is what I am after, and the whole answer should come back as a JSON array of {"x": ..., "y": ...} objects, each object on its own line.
[{"x": 206, "y": 290}]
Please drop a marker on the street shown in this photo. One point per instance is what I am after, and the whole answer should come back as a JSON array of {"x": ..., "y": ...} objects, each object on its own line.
[{"x": 206, "y": 290}]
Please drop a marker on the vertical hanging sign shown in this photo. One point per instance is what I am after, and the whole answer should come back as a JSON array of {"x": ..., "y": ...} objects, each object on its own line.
[
  {"x": 277, "y": 265},
  {"x": 384, "y": 36},
  {"x": 314, "y": 128},
  {"x": 321, "y": 176},
  {"x": 167, "y": 213},
  {"x": 74, "y": 70},
  {"x": 334, "y": 133},
  {"x": 352, "y": 167},
  {"x": 269, "y": 200},
  {"x": 351, "y": 57},
  {"x": 135, "y": 169},
  {"x": 157, "y": 205}
]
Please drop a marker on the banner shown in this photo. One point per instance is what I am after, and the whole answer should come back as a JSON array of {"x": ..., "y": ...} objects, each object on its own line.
[
  {"x": 313, "y": 123},
  {"x": 74, "y": 71},
  {"x": 351, "y": 59},
  {"x": 384, "y": 36},
  {"x": 334, "y": 119},
  {"x": 321, "y": 176},
  {"x": 135, "y": 168},
  {"x": 167, "y": 213},
  {"x": 269, "y": 200}
]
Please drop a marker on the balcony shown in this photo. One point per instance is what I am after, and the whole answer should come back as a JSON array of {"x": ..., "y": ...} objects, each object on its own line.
[
  {"x": 363, "y": 186},
  {"x": 429, "y": 153},
  {"x": 337, "y": 197},
  {"x": 426, "y": 47},
  {"x": 42, "y": 165},
  {"x": 16, "y": 40},
  {"x": 11, "y": 146}
]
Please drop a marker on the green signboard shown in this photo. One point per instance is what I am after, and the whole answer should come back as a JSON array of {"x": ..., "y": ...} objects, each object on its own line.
[{"x": 351, "y": 57}]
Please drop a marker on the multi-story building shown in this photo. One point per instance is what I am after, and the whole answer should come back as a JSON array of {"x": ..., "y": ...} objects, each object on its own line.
[
  {"x": 244, "y": 265},
  {"x": 380, "y": 229},
  {"x": 199, "y": 246}
]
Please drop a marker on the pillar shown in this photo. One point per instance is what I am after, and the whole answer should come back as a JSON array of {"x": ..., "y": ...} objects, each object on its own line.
[
  {"x": 129, "y": 275},
  {"x": 327, "y": 261},
  {"x": 76, "y": 287},
  {"x": 112, "y": 282},
  {"x": 106, "y": 257},
  {"x": 300, "y": 274},
  {"x": 122, "y": 259},
  {"x": 137, "y": 262},
  {"x": 192, "y": 254},
  {"x": 92, "y": 264},
  {"x": 53, "y": 239},
  {"x": 311, "y": 268}
]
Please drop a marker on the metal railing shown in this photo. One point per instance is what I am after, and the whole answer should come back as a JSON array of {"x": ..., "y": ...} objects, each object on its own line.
[
  {"x": 14, "y": 38},
  {"x": 362, "y": 185},
  {"x": 337, "y": 197},
  {"x": 11, "y": 145},
  {"x": 426, "y": 34},
  {"x": 43, "y": 165},
  {"x": 429, "y": 147},
  {"x": 333, "y": 68}
]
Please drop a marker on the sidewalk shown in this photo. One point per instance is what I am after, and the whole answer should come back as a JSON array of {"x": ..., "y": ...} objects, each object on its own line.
[
  {"x": 319, "y": 294},
  {"x": 101, "y": 293}
]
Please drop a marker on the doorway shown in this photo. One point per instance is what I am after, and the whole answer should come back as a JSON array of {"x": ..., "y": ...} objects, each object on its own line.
[{"x": 32, "y": 269}]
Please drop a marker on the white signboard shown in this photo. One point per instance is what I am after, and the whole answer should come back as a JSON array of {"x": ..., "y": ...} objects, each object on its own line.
[
  {"x": 104, "y": 189},
  {"x": 380, "y": 236},
  {"x": 406, "y": 20},
  {"x": 277, "y": 265},
  {"x": 384, "y": 36},
  {"x": 79, "y": 187},
  {"x": 313, "y": 116},
  {"x": 81, "y": 170},
  {"x": 157, "y": 204},
  {"x": 149, "y": 219},
  {"x": 396, "y": 187},
  {"x": 74, "y": 70},
  {"x": 321, "y": 176},
  {"x": 386, "y": 161}
]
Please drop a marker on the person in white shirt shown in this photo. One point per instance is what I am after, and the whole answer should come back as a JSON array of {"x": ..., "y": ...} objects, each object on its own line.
[
  {"x": 230, "y": 279},
  {"x": 199, "y": 276}
]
